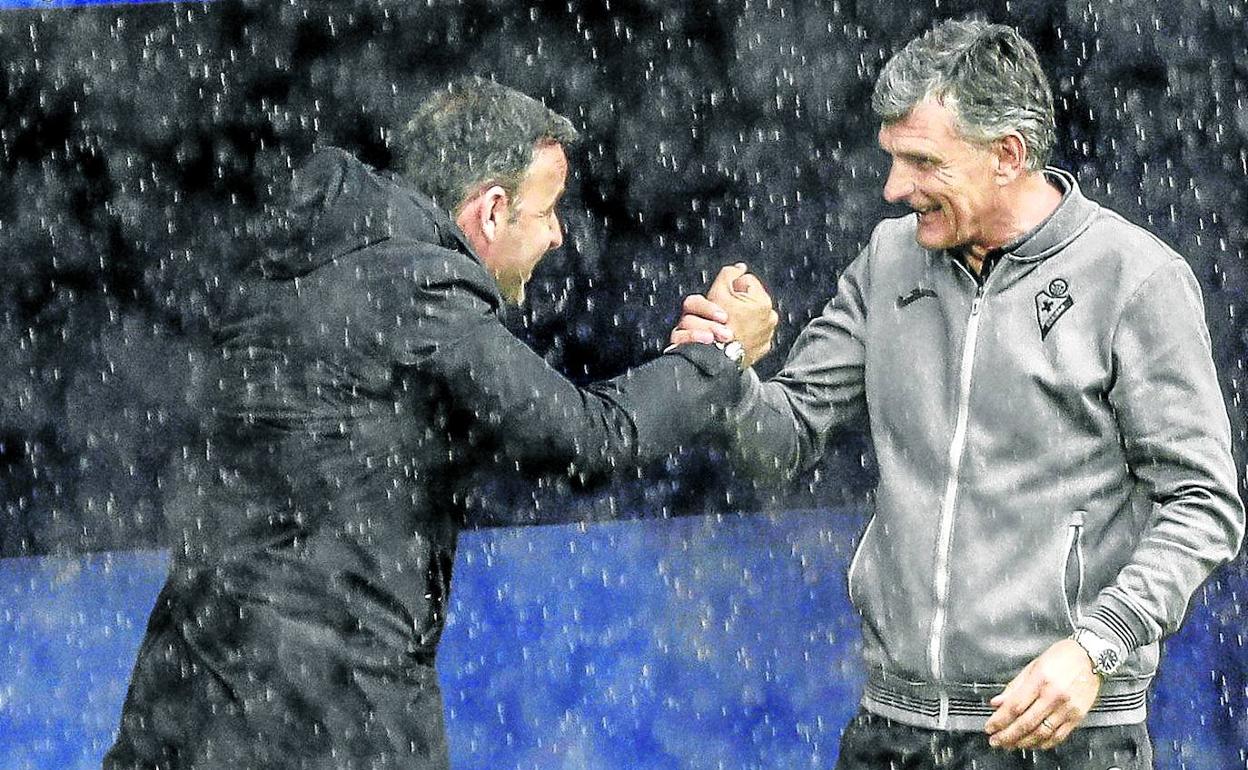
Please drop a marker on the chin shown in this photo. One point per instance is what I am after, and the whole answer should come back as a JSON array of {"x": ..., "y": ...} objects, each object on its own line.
[
  {"x": 934, "y": 244},
  {"x": 513, "y": 293},
  {"x": 936, "y": 240}
]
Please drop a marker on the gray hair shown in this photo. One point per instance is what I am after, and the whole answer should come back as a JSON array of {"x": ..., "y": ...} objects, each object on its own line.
[
  {"x": 472, "y": 135},
  {"x": 986, "y": 74}
]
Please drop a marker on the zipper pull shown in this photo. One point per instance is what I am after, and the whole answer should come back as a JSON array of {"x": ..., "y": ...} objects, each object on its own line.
[{"x": 977, "y": 301}]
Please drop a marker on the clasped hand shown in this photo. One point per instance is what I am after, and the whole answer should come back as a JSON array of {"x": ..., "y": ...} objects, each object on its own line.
[{"x": 737, "y": 306}]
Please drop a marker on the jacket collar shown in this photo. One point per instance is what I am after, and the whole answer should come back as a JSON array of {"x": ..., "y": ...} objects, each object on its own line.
[
  {"x": 1071, "y": 217},
  {"x": 447, "y": 233}
]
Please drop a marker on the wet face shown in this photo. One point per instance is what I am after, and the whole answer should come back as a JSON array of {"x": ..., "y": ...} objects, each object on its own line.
[
  {"x": 531, "y": 226},
  {"x": 950, "y": 182}
]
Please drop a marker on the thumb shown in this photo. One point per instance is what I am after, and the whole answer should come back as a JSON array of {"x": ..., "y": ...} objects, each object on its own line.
[
  {"x": 727, "y": 275},
  {"x": 748, "y": 284}
]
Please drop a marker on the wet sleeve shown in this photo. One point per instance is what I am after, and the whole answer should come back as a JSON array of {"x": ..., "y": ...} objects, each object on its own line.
[
  {"x": 782, "y": 424},
  {"x": 1177, "y": 437},
  {"x": 448, "y": 330}
]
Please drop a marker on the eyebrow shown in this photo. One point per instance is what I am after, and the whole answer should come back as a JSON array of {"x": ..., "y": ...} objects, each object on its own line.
[{"x": 917, "y": 155}]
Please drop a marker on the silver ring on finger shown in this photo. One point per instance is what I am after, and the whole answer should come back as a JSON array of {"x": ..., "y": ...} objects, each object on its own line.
[{"x": 1048, "y": 725}]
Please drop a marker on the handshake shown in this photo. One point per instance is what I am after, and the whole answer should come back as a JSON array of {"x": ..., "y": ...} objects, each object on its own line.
[{"x": 736, "y": 307}]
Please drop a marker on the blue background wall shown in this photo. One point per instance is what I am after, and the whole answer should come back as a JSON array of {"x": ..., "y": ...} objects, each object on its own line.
[{"x": 702, "y": 642}]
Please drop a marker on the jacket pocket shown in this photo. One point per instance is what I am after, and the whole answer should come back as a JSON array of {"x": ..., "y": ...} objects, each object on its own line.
[
  {"x": 1072, "y": 567},
  {"x": 855, "y": 567}
]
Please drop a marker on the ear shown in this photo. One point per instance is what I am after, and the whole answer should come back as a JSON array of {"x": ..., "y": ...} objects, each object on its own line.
[
  {"x": 482, "y": 214},
  {"x": 1011, "y": 154}
]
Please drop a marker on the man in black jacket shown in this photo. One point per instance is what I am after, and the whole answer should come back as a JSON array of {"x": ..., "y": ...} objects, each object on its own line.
[{"x": 363, "y": 375}]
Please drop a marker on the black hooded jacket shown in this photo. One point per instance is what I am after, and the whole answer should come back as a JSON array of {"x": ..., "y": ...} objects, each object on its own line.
[{"x": 362, "y": 380}]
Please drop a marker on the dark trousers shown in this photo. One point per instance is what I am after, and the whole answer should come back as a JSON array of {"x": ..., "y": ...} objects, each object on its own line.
[{"x": 871, "y": 742}]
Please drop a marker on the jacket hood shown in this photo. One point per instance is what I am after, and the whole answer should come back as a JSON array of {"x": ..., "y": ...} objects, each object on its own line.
[{"x": 338, "y": 205}]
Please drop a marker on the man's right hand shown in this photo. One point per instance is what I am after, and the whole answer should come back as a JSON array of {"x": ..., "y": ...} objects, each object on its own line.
[{"x": 737, "y": 306}]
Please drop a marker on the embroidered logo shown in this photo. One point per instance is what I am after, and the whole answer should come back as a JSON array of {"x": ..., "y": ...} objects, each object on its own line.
[
  {"x": 1051, "y": 304},
  {"x": 915, "y": 295}
]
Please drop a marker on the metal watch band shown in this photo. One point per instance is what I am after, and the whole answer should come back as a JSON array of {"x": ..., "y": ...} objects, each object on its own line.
[{"x": 735, "y": 352}]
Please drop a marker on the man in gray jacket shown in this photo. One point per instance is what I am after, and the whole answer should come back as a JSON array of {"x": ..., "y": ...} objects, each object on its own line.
[{"x": 1054, "y": 452}]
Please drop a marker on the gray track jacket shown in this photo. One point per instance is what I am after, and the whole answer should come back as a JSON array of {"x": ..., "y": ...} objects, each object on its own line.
[{"x": 1053, "y": 448}]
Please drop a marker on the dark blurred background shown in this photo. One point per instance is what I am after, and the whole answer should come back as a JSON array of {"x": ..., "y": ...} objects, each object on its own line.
[{"x": 141, "y": 145}]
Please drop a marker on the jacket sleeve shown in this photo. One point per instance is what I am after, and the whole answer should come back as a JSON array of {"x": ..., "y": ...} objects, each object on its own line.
[
  {"x": 1175, "y": 430},
  {"x": 782, "y": 424},
  {"x": 531, "y": 416}
]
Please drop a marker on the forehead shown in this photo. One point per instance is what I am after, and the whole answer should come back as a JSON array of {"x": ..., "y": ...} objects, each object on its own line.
[
  {"x": 929, "y": 126},
  {"x": 548, "y": 172}
]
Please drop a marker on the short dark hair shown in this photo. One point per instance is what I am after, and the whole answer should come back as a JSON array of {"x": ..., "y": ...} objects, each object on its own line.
[
  {"x": 988, "y": 76},
  {"x": 473, "y": 134}
]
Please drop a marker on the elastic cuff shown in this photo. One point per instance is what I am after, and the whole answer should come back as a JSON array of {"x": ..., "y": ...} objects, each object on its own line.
[
  {"x": 709, "y": 359},
  {"x": 1114, "y": 621},
  {"x": 710, "y": 362}
]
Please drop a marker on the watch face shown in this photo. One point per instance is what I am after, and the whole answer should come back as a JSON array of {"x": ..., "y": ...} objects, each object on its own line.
[
  {"x": 1105, "y": 657},
  {"x": 1107, "y": 661}
]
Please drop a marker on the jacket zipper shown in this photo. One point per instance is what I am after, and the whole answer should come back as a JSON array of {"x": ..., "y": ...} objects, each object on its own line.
[
  {"x": 944, "y": 543},
  {"x": 1074, "y": 545}
]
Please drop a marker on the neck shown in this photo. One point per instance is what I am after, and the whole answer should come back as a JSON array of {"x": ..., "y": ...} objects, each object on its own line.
[{"x": 1028, "y": 202}]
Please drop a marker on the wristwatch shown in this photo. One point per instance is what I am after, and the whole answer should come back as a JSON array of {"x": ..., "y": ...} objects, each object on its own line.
[
  {"x": 1104, "y": 654},
  {"x": 735, "y": 352}
]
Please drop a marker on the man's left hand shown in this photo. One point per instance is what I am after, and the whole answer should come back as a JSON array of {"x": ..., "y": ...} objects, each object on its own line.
[{"x": 1041, "y": 706}]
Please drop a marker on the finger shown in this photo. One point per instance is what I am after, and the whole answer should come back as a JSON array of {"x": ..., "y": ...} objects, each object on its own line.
[
  {"x": 1018, "y": 694},
  {"x": 687, "y": 336},
  {"x": 1036, "y": 737},
  {"x": 727, "y": 274},
  {"x": 1026, "y": 731},
  {"x": 1059, "y": 735},
  {"x": 1065, "y": 720},
  {"x": 722, "y": 332},
  {"x": 1011, "y": 688},
  {"x": 1011, "y": 702},
  {"x": 696, "y": 304},
  {"x": 1043, "y": 735}
]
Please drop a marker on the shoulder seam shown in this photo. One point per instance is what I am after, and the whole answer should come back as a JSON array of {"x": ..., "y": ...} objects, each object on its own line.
[
  {"x": 1120, "y": 219},
  {"x": 1169, "y": 263}
]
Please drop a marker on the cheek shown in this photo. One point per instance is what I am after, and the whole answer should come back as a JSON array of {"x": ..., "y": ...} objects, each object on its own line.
[{"x": 533, "y": 243}]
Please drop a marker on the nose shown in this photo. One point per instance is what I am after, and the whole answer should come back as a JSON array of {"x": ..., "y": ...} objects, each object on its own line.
[
  {"x": 556, "y": 233},
  {"x": 898, "y": 184}
]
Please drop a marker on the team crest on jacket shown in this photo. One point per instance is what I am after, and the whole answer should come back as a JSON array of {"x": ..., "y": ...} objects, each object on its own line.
[{"x": 1051, "y": 304}]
